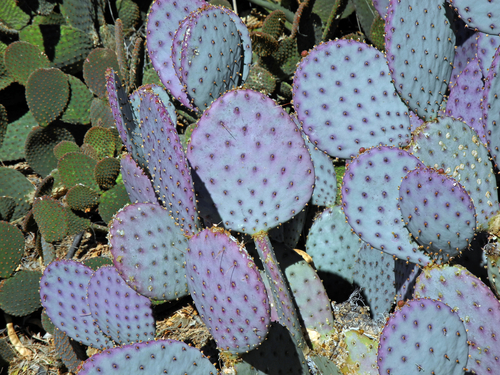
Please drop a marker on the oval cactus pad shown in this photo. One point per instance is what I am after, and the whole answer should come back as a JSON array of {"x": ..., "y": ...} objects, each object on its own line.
[
  {"x": 475, "y": 304},
  {"x": 229, "y": 294},
  {"x": 119, "y": 311},
  {"x": 422, "y": 27},
  {"x": 63, "y": 291},
  {"x": 152, "y": 357},
  {"x": 148, "y": 250},
  {"x": 253, "y": 161},
  {"x": 423, "y": 337},
  {"x": 344, "y": 99},
  {"x": 438, "y": 212},
  {"x": 370, "y": 201},
  {"x": 479, "y": 15}
]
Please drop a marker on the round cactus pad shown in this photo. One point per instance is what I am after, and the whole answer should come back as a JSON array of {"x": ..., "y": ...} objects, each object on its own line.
[
  {"x": 344, "y": 99},
  {"x": 454, "y": 146},
  {"x": 229, "y": 294},
  {"x": 424, "y": 336},
  {"x": 167, "y": 162},
  {"x": 422, "y": 27},
  {"x": 63, "y": 291},
  {"x": 438, "y": 212},
  {"x": 163, "y": 20},
  {"x": 370, "y": 201},
  {"x": 148, "y": 250},
  {"x": 252, "y": 160},
  {"x": 152, "y": 357},
  {"x": 481, "y": 16},
  {"x": 11, "y": 247},
  {"x": 211, "y": 58},
  {"x": 119, "y": 311},
  {"x": 475, "y": 304}
]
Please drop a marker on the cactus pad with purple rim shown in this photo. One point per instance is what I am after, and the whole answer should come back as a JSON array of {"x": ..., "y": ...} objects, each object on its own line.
[
  {"x": 464, "y": 101},
  {"x": 163, "y": 20},
  {"x": 424, "y": 335},
  {"x": 491, "y": 106},
  {"x": 479, "y": 15},
  {"x": 370, "y": 201},
  {"x": 148, "y": 250},
  {"x": 228, "y": 291},
  {"x": 136, "y": 182},
  {"x": 253, "y": 161},
  {"x": 119, "y": 311},
  {"x": 333, "y": 245},
  {"x": 486, "y": 48},
  {"x": 475, "y": 304},
  {"x": 167, "y": 163},
  {"x": 344, "y": 99},
  {"x": 63, "y": 291},
  {"x": 438, "y": 212},
  {"x": 374, "y": 273},
  {"x": 129, "y": 130},
  {"x": 152, "y": 357},
  {"x": 454, "y": 146},
  {"x": 135, "y": 100},
  {"x": 420, "y": 25},
  {"x": 212, "y": 55}
]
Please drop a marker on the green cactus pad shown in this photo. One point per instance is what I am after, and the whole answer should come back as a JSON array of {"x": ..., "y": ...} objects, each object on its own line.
[
  {"x": 106, "y": 172},
  {"x": 76, "y": 168},
  {"x": 15, "y": 137},
  {"x": 362, "y": 353},
  {"x": 76, "y": 223},
  {"x": 5, "y": 77},
  {"x": 47, "y": 92},
  {"x": 112, "y": 201},
  {"x": 97, "y": 262},
  {"x": 259, "y": 79},
  {"x": 70, "y": 352},
  {"x": 94, "y": 68},
  {"x": 39, "y": 147},
  {"x": 50, "y": 216},
  {"x": 22, "y": 59},
  {"x": 89, "y": 150},
  {"x": 81, "y": 198},
  {"x": 11, "y": 248},
  {"x": 19, "y": 294},
  {"x": 7, "y": 208},
  {"x": 80, "y": 100},
  {"x": 4, "y": 122},
  {"x": 63, "y": 147},
  {"x": 102, "y": 140},
  {"x": 274, "y": 24},
  {"x": 80, "y": 14},
  {"x": 65, "y": 46},
  {"x": 13, "y": 17},
  {"x": 14, "y": 184},
  {"x": 101, "y": 114}
]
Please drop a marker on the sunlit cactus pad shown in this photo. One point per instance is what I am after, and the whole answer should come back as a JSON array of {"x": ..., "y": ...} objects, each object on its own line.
[
  {"x": 136, "y": 182},
  {"x": 423, "y": 27},
  {"x": 481, "y": 16},
  {"x": 63, "y": 291},
  {"x": 370, "y": 201},
  {"x": 253, "y": 161},
  {"x": 456, "y": 148},
  {"x": 423, "y": 335},
  {"x": 228, "y": 291},
  {"x": 344, "y": 99},
  {"x": 152, "y": 357},
  {"x": 119, "y": 311},
  {"x": 148, "y": 250},
  {"x": 475, "y": 304}
]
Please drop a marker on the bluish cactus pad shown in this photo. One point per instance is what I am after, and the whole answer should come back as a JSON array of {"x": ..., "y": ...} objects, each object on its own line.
[
  {"x": 135, "y": 100},
  {"x": 491, "y": 107},
  {"x": 424, "y": 336},
  {"x": 486, "y": 48},
  {"x": 480, "y": 16},
  {"x": 136, "y": 182},
  {"x": 438, "y": 212},
  {"x": 252, "y": 160},
  {"x": 228, "y": 291},
  {"x": 152, "y": 357},
  {"x": 463, "y": 54},
  {"x": 167, "y": 163},
  {"x": 370, "y": 201},
  {"x": 148, "y": 250},
  {"x": 475, "y": 304},
  {"x": 456, "y": 148},
  {"x": 420, "y": 27},
  {"x": 63, "y": 291},
  {"x": 163, "y": 20},
  {"x": 344, "y": 99},
  {"x": 119, "y": 311}
]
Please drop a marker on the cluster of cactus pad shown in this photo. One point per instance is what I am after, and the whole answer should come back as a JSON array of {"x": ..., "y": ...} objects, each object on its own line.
[{"x": 376, "y": 153}]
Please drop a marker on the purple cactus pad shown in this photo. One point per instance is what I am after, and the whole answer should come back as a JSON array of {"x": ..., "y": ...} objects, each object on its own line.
[{"x": 136, "y": 182}]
